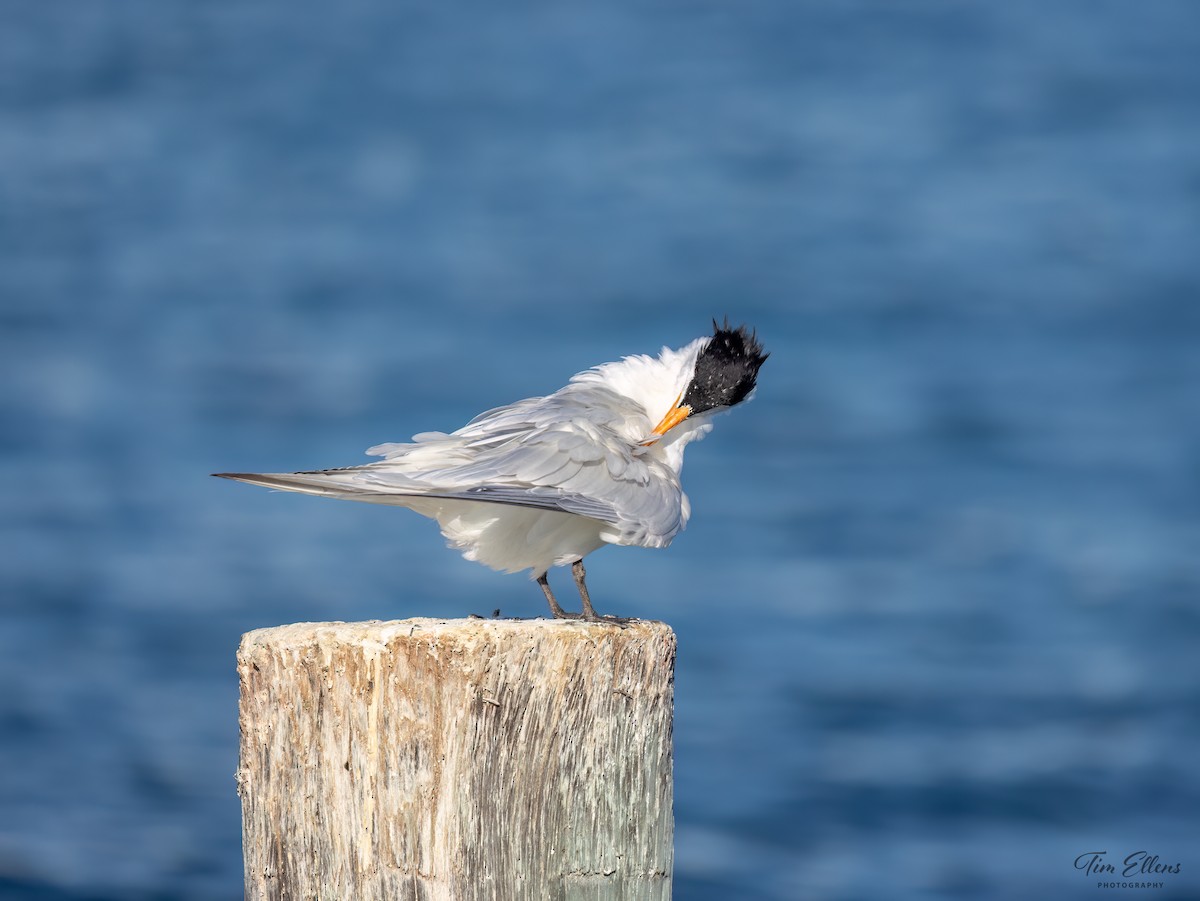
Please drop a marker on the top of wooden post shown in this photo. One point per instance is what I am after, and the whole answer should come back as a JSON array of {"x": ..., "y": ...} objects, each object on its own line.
[{"x": 385, "y": 632}]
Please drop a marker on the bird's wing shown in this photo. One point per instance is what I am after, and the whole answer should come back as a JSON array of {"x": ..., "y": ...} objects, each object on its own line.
[
  {"x": 363, "y": 484},
  {"x": 575, "y": 451}
]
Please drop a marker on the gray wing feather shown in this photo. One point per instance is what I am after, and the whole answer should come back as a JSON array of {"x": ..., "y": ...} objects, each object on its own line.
[
  {"x": 529, "y": 497},
  {"x": 335, "y": 483},
  {"x": 571, "y": 451}
]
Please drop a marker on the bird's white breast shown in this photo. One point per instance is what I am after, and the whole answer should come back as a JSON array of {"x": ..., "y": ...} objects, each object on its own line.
[{"x": 511, "y": 539}]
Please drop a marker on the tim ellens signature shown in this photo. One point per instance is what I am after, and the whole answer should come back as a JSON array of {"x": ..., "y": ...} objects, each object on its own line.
[{"x": 1139, "y": 863}]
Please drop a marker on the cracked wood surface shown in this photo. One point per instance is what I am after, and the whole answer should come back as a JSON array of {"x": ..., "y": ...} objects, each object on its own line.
[{"x": 457, "y": 759}]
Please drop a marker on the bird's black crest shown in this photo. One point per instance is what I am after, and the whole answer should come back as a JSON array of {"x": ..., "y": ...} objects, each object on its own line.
[{"x": 726, "y": 369}]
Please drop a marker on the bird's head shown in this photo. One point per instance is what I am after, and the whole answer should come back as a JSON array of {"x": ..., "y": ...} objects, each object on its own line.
[{"x": 724, "y": 374}]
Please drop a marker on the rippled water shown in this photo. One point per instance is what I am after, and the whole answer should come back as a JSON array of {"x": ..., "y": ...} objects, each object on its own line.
[{"x": 937, "y": 606}]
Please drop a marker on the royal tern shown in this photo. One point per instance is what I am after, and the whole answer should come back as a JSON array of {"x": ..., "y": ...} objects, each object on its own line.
[{"x": 547, "y": 480}]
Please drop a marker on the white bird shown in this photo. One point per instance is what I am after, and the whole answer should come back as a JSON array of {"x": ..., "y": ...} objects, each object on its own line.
[{"x": 547, "y": 480}]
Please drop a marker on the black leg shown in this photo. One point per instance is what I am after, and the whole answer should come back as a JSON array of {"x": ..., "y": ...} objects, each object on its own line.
[
  {"x": 555, "y": 609},
  {"x": 578, "y": 572}
]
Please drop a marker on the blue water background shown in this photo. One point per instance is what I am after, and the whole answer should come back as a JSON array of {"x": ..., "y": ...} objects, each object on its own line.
[{"x": 937, "y": 606}]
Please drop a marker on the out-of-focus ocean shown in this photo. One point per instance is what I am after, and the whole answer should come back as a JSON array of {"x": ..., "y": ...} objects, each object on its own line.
[{"x": 938, "y": 603}]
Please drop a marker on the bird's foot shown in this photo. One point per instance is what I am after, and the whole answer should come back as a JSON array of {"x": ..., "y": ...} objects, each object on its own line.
[
  {"x": 619, "y": 621},
  {"x": 589, "y": 614}
]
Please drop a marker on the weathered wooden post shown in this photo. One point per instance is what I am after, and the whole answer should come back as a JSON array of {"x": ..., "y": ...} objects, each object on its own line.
[{"x": 462, "y": 759}]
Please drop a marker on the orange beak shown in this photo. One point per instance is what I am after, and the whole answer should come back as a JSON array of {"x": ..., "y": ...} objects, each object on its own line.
[{"x": 676, "y": 415}]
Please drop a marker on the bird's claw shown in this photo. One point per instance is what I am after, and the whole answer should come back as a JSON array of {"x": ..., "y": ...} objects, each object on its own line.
[{"x": 620, "y": 621}]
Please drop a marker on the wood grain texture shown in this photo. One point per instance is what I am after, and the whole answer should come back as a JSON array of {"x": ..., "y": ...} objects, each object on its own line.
[{"x": 462, "y": 759}]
